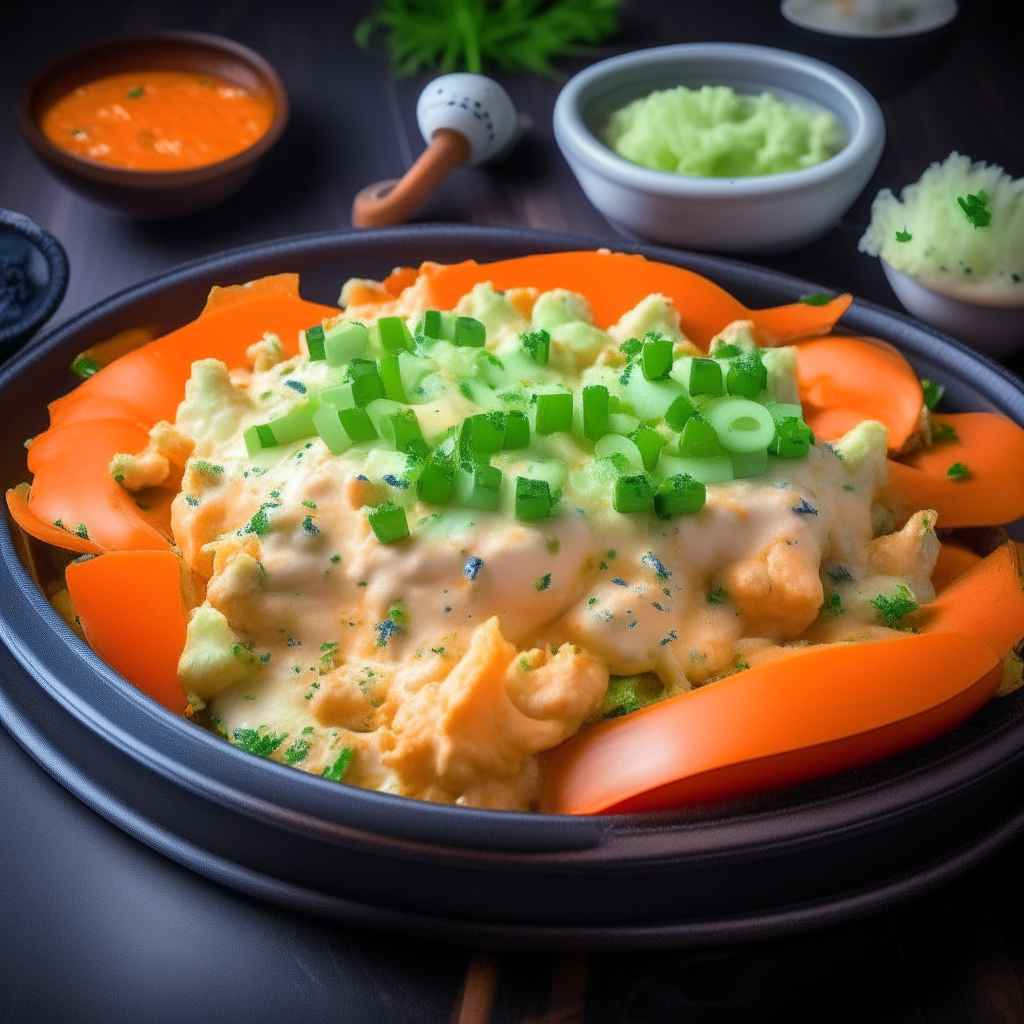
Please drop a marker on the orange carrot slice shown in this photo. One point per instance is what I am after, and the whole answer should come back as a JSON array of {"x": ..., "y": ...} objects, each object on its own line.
[
  {"x": 130, "y": 607},
  {"x": 816, "y": 713},
  {"x": 844, "y": 381},
  {"x": 992, "y": 448},
  {"x": 987, "y": 602},
  {"x": 614, "y": 282},
  {"x": 953, "y": 561},
  {"x": 17, "y": 504}
]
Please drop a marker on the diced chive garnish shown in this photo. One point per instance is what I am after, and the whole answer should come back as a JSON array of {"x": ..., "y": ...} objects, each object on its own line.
[
  {"x": 595, "y": 412},
  {"x": 259, "y": 437},
  {"x": 391, "y": 375},
  {"x": 345, "y": 341},
  {"x": 727, "y": 351},
  {"x": 85, "y": 366},
  {"x": 357, "y": 424},
  {"x": 958, "y": 471},
  {"x": 388, "y": 522},
  {"x": 679, "y": 495},
  {"x": 470, "y": 333},
  {"x": 943, "y": 432},
  {"x": 792, "y": 439},
  {"x": 137, "y": 93},
  {"x": 554, "y": 413},
  {"x": 537, "y": 344},
  {"x": 367, "y": 385},
  {"x": 699, "y": 439},
  {"x": 293, "y": 426},
  {"x": 403, "y": 429},
  {"x": 650, "y": 443},
  {"x": 481, "y": 487},
  {"x": 430, "y": 325},
  {"x": 533, "y": 499},
  {"x": 394, "y": 335},
  {"x": 484, "y": 434},
  {"x": 336, "y": 770},
  {"x": 817, "y": 299},
  {"x": 656, "y": 357},
  {"x": 517, "y": 430},
  {"x": 932, "y": 393},
  {"x": 435, "y": 481},
  {"x": 633, "y": 494},
  {"x": 705, "y": 377},
  {"x": 747, "y": 376},
  {"x": 315, "y": 342},
  {"x": 677, "y": 414}
]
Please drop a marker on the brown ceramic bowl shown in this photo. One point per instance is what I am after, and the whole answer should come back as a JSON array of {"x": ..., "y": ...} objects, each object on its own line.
[{"x": 152, "y": 193}]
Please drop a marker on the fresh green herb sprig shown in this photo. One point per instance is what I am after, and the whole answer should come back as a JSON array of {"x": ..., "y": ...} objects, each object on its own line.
[
  {"x": 975, "y": 209},
  {"x": 514, "y": 35}
]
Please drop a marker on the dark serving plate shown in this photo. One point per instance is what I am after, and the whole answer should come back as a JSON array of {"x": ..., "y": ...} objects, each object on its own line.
[{"x": 796, "y": 859}]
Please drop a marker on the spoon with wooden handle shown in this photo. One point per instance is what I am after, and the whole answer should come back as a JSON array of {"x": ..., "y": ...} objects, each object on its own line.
[{"x": 464, "y": 119}]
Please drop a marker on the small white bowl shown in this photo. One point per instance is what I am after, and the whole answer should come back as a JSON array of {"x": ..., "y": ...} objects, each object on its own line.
[
  {"x": 763, "y": 213},
  {"x": 990, "y": 326}
]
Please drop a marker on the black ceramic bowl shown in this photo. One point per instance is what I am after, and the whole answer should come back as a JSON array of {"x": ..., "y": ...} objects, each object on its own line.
[
  {"x": 795, "y": 859},
  {"x": 33, "y": 279}
]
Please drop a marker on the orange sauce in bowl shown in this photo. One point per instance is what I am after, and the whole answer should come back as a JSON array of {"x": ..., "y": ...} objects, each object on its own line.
[{"x": 158, "y": 120}]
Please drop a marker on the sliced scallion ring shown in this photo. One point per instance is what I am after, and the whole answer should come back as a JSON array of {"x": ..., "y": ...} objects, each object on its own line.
[{"x": 741, "y": 425}]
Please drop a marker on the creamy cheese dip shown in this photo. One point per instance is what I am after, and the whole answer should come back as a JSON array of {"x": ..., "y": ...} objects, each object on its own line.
[{"x": 440, "y": 664}]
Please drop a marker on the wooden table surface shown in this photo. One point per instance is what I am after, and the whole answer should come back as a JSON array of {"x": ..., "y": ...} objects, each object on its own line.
[{"x": 167, "y": 945}]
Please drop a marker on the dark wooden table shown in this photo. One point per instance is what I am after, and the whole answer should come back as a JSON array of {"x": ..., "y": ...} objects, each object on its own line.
[{"x": 95, "y": 926}]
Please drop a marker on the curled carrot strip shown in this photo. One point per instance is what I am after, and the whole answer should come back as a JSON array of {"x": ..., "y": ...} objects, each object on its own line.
[
  {"x": 844, "y": 381},
  {"x": 130, "y": 607},
  {"x": 821, "y": 711},
  {"x": 987, "y": 601},
  {"x": 953, "y": 561},
  {"x": 992, "y": 448},
  {"x": 614, "y": 282},
  {"x": 17, "y": 504},
  {"x": 114, "y": 410}
]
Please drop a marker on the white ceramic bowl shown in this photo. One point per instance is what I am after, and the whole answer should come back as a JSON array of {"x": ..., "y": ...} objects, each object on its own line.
[
  {"x": 765, "y": 213},
  {"x": 995, "y": 328}
]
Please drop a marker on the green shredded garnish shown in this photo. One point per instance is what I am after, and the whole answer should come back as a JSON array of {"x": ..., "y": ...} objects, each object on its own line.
[
  {"x": 631, "y": 693},
  {"x": 943, "y": 432},
  {"x": 543, "y": 583},
  {"x": 252, "y": 741},
  {"x": 818, "y": 299},
  {"x": 85, "y": 366},
  {"x": 716, "y": 596},
  {"x": 336, "y": 771},
  {"x": 932, "y": 393},
  {"x": 833, "y": 605},
  {"x": 297, "y": 751},
  {"x": 464, "y": 35},
  {"x": 958, "y": 471},
  {"x": 904, "y": 235},
  {"x": 974, "y": 208},
  {"x": 893, "y": 608}
]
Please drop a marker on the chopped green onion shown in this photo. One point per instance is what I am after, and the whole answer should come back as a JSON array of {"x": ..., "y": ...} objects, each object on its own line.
[
  {"x": 259, "y": 437},
  {"x": 649, "y": 442},
  {"x": 713, "y": 470},
  {"x": 295, "y": 425},
  {"x": 533, "y": 499},
  {"x": 403, "y": 430},
  {"x": 746, "y": 464},
  {"x": 470, "y": 333},
  {"x": 388, "y": 522},
  {"x": 615, "y": 444},
  {"x": 517, "y": 430},
  {"x": 483, "y": 434},
  {"x": 391, "y": 376},
  {"x": 699, "y": 439},
  {"x": 554, "y": 413},
  {"x": 725, "y": 351},
  {"x": 435, "y": 481},
  {"x": 537, "y": 344},
  {"x": 705, "y": 377},
  {"x": 366, "y": 382},
  {"x": 633, "y": 494},
  {"x": 747, "y": 376},
  {"x": 595, "y": 411},
  {"x": 818, "y": 299},
  {"x": 337, "y": 769},
  {"x": 679, "y": 495},
  {"x": 85, "y": 366},
  {"x": 958, "y": 471},
  {"x": 932, "y": 393},
  {"x": 357, "y": 424},
  {"x": 792, "y": 439},
  {"x": 345, "y": 341},
  {"x": 431, "y": 325},
  {"x": 479, "y": 487},
  {"x": 679, "y": 412},
  {"x": 394, "y": 335},
  {"x": 741, "y": 425},
  {"x": 315, "y": 343},
  {"x": 656, "y": 357},
  {"x": 328, "y": 426}
]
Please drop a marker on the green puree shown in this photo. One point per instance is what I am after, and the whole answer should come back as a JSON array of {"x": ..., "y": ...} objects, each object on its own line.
[{"x": 715, "y": 132}]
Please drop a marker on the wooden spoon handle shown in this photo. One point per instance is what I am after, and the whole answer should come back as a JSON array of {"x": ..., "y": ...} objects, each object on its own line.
[{"x": 394, "y": 201}]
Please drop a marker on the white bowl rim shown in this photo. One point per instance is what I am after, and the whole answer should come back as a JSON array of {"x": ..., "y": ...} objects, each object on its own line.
[
  {"x": 950, "y": 15},
  {"x": 572, "y": 132}
]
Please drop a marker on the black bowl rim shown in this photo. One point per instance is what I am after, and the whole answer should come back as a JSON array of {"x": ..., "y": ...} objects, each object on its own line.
[
  {"x": 46, "y": 304},
  {"x": 295, "y": 801},
  {"x": 154, "y": 181}
]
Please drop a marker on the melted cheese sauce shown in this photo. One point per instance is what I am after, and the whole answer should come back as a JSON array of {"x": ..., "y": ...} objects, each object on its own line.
[{"x": 440, "y": 666}]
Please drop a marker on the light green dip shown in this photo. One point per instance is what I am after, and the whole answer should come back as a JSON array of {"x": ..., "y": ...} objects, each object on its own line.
[{"x": 715, "y": 132}]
